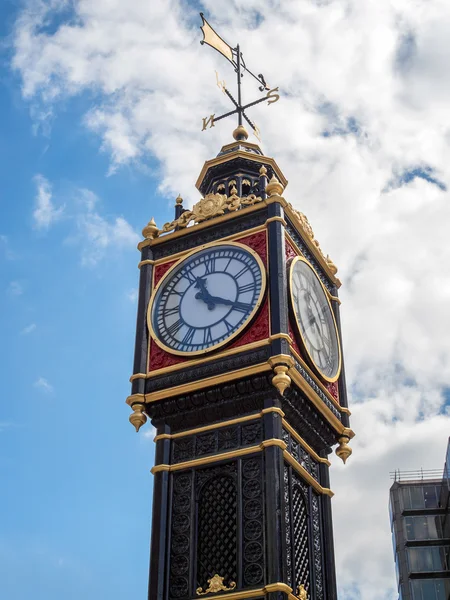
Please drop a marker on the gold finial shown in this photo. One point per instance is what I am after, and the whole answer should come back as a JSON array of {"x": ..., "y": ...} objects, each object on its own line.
[
  {"x": 216, "y": 585},
  {"x": 240, "y": 133},
  {"x": 274, "y": 187},
  {"x": 179, "y": 199},
  {"x": 233, "y": 190},
  {"x": 343, "y": 450},
  {"x": 150, "y": 231},
  {"x": 263, "y": 170},
  {"x": 281, "y": 380},
  {"x": 302, "y": 594},
  {"x": 137, "y": 418}
]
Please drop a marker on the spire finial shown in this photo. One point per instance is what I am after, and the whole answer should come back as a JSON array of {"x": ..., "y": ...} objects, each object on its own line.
[
  {"x": 240, "y": 133},
  {"x": 150, "y": 231},
  {"x": 179, "y": 199},
  {"x": 274, "y": 187}
]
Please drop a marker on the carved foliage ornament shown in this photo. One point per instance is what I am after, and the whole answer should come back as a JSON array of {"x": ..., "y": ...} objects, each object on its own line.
[
  {"x": 302, "y": 219},
  {"x": 212, "y": 205},
  {"x": 216, "y": 585}
]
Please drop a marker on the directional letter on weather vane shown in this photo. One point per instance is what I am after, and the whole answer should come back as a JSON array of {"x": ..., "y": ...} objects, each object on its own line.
[{"x": 235, "y": 57}]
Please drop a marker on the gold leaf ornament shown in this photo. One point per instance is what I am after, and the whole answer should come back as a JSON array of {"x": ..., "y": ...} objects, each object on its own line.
[{"x": 215, "y": 584}]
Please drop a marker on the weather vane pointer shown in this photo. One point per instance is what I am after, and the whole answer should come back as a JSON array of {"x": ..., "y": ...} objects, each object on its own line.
[{"x": 234, "y": 56}]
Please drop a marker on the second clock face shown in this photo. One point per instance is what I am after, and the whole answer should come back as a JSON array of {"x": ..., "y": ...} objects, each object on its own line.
[
  {"x": 207, "y": 299},
  {"x": 315, "y": 320}
]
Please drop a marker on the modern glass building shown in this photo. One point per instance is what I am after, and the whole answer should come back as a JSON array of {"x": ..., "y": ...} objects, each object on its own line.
[{"x": 420, "y": 524}]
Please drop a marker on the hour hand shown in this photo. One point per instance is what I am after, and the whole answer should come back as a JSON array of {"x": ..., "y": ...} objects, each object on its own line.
[{"x": 203, "y": 294}]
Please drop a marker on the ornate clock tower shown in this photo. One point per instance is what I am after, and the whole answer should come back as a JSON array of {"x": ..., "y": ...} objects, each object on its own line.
[{"x": 238, "y": 364}]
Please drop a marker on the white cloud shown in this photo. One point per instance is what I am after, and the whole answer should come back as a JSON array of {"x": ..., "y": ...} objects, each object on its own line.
[
  {"x": 360, "y": 127},
  {"x": 132, "y": 295},
  {"x": 15, "y": 288},
  {"x": 42, "y": 384},
  {"x": 28, "y": 329},
  {"x": 45, "y": 212},
  {"x": 97, "y": 233}
]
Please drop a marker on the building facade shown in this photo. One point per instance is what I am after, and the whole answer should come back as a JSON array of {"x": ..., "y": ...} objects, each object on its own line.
[{"x": 420, "y": 524}]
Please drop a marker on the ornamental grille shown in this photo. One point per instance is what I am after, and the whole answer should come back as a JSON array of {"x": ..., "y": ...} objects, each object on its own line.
[
  {"x": 217, "y": 531},
  {"x": 300, "y": 538}
]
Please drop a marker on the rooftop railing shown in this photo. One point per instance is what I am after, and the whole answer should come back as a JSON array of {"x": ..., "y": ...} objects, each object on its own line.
[{"x": 414, "y": 476}]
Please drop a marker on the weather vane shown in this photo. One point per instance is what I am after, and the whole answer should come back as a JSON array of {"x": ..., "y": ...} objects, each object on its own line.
[{"x": 234, "y": 55}]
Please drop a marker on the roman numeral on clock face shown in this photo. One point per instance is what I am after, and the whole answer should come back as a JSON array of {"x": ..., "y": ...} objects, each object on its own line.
[
  {"x": 248, "y": 287},
  {"x": 210, "y": 265}
]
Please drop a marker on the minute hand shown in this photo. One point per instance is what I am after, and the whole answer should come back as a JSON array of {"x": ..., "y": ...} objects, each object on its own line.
[{"x": 239, "y": 305}]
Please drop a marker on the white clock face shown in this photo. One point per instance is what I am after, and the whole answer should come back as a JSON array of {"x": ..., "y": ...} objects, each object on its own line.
[
  {"x": 315, "y": 320},
  {"x": 207, "y": 299}
]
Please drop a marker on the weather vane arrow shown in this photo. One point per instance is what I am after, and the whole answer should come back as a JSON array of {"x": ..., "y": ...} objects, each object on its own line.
[{"x": 234, "y": 56}]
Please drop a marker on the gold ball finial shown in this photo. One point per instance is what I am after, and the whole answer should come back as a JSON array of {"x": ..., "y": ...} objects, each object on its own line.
[
  {"x": 274, "y": 187},
  {"x": 137, "y": 418},
  {"x": 150, "y": 231},
  {"x": 240, "y": 133},
  {"x": 343, "y": 450},
  {"x": 179, "y": 199},
  {"x": 263, "y": 170}
]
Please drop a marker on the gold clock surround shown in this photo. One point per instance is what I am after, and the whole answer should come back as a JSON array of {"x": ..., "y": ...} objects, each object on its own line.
[
  {"x": 233, "y": 336},
  {"x": 297, "y": 325}
]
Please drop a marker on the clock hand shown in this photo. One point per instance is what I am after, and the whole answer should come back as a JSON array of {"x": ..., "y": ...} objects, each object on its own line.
[{"x": 203, "y": 294}]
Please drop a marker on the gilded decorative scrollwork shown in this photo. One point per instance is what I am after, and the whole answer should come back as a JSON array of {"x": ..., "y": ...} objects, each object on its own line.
[
  {"x": 216, "y": 585},
  {"x": 212, "y": 205},
  {"x": 302, "y": 220}
]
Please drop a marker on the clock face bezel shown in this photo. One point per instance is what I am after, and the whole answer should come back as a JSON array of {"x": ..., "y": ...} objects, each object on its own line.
[
  {"x": 178, "y": 264},
  {"x": 298, "y": 326}
]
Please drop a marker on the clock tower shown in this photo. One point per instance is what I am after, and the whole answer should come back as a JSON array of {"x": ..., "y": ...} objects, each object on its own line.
[{"x": 238, "y": 364}]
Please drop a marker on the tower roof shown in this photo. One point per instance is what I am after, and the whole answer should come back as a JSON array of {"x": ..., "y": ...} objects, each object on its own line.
[{"x": 237, "y": 162}]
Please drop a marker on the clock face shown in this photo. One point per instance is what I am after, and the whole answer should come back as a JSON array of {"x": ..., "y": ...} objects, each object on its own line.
[
  {"x": 207, "y": 299},
  {"x": 315, "y": 319}
]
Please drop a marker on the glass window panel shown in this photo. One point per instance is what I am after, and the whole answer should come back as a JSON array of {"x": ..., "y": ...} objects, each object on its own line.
[
  {"x": 423, "y": 527},
  {"x": 416, "y": 497},
  {"x": 406, "y": 497},
  {"x": 430, "y": 497},
  {"x": 430, "y": 589}
]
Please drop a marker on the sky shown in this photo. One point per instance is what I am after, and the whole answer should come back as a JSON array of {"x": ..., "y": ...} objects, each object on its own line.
[{"x": 102, "y": 105}]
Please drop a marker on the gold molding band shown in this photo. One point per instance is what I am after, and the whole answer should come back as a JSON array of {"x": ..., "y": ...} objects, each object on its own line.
[
  {"x": 302, "y": 442},
  {"x": 180, "y": 434},
  {"x": 138, "y": 376},
  {"x": 274, "y": 219},
  {"x": 147, "y": 261},
  {"x": 135, "y": 398},
  {"x": 208, "y": 382},
  {"x": 333, "y": 298},
  {"x": 304, "y": 473},
  {"x": 197, "y": 462},
  {"x": 202, "y": 359},
  {"x": 281, "y": 336}
]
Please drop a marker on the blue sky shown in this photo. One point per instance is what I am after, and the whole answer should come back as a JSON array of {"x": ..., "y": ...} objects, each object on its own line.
[
  {"x": 76, "y": 499},
  {"x": 102, "y": 105}
]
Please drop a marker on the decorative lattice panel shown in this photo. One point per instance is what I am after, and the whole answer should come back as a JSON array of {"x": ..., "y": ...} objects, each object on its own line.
[
  {"x": 300, "y": 537},
  {"x": 217, "y": 530}
]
